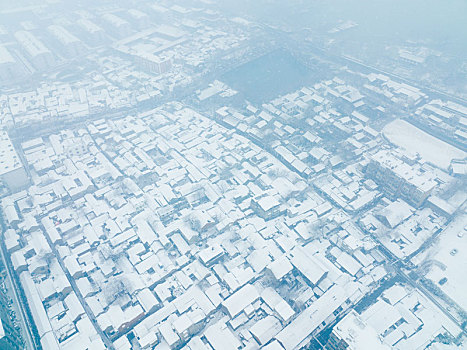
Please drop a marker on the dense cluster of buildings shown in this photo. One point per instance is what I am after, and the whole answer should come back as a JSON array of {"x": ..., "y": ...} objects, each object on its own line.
[
  {"x": 144, "y": 64},
  {"x": 163, "y": 232},
  {"x": 183, "y": 232}
]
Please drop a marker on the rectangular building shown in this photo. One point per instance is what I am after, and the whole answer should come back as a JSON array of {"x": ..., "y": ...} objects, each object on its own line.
[{"x": 12, "y": 172}]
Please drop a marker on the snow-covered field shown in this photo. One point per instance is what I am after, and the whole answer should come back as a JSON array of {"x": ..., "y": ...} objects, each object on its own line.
[
  {"x": 414, "y": 140},
  {"x": 450, "y": 262}
]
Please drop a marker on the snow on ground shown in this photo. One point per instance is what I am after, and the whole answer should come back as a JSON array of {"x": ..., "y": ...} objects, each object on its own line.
[
  {"x": 414, "y": 140},
  {"x": 450, "y": 262}
]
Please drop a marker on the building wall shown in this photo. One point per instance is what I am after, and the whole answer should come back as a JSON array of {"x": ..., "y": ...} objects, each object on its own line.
[
  {"x": 335, "y": 343},
  {"x": 396, "y": 186}
]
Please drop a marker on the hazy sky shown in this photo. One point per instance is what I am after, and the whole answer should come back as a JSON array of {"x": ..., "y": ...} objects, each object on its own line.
[{"x": 441, "y": 23}]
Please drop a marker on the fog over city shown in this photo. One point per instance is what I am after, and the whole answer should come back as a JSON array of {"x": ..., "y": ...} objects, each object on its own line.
[{"x": 233, "y": 174}]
